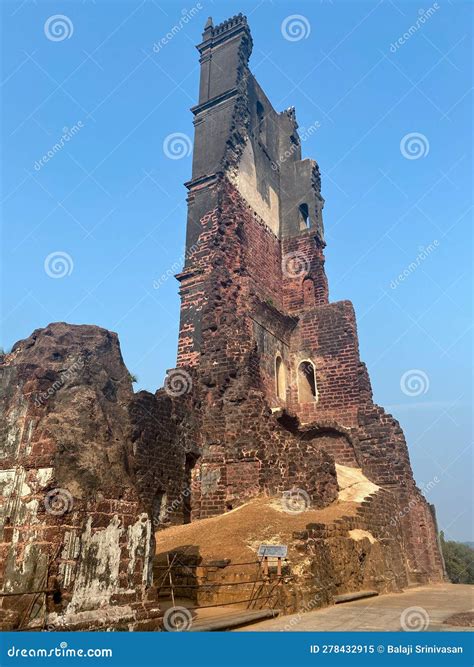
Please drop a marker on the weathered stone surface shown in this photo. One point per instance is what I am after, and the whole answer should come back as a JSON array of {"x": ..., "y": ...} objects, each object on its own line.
[{"x": 75, "y": 536}]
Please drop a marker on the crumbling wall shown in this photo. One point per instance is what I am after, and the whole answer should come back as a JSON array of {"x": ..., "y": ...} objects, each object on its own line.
[
  {"x": 362, "y": 551},
  {"x": 303, "y": 278},
  {"x": 245, "y": 323},
  {"x": 165, "y": 446},
  {"x": 76, "y": 541},
  {"x": 328, "y": 336},
  {"x": 238, "y": 437}
]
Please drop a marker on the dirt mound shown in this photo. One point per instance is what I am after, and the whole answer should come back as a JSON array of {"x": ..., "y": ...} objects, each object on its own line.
[{"x": 238, "y": 533}]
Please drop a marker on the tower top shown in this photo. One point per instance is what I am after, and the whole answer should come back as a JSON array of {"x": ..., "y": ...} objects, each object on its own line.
[
  {"x": 229, "y": 28},
  {"x": 239, "y": 135}
]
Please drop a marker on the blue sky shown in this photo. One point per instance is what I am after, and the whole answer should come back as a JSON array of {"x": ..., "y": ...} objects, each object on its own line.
[{"x": 113, "y": 203}]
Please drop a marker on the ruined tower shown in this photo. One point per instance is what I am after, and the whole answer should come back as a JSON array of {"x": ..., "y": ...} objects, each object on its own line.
[
  {"x": 269, "y": 401},
  {"x": 281, "y": 391}
]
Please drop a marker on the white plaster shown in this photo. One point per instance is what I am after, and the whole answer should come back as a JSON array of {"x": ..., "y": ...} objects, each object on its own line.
[
  {"x": 7, "y": 481},
  {"x": 69, "y": 555},
  {"x": 105, "y": 616},
  {"x": 29, "y": 434},
  {"x": 353, "y": 484},
  {"x": 246, "y": 182},
  {"x": 96, "y": 582},
  {"x": 139, "y": 536},
  {"x": 44, "y": 476},
  {"x": 359, "y": 534}
]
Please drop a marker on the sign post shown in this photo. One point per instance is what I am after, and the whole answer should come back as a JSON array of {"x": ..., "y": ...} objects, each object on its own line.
[{"x": 274, "y": 551}]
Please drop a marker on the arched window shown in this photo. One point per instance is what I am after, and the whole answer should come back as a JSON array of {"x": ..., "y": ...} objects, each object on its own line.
[
  {"x": 307, "y": 392},
  {"x": 304, "y": 216},
  {"x": 261, "y": 122},
  {"x": 280, "y": 378}
]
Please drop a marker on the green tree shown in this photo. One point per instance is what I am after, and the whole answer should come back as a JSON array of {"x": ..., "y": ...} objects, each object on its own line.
[{"x": 459, "y": 559}]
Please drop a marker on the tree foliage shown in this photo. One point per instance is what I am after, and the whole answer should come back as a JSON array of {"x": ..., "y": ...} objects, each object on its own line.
[{"x": 459, "y": 559}]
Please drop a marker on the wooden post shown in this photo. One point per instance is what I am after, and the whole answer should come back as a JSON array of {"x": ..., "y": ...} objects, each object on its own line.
[{"x": 171, "y": 579}]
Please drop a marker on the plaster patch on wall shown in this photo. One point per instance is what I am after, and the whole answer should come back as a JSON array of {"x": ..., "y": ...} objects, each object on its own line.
[
  {"x": 7, "y": 479},
  {"x": 102, "y": 618},
  {"x": 358, "y": 534},
  {"x": 246, "y": 182},
  {"x": 98, "y": 569},
  {"x": 210, "y": 479},
  {"x": 29, "y": 434},
  {"x": 69, "y": 555},
  {"x": 162, "y": 511},
  {"x": 15, "y": 419},
  {"x": 139, "y": 543},
  {"x": 25, "y": 568},
  {"x": 14, "y": 490},
  {"x": 44, "y": 476}
]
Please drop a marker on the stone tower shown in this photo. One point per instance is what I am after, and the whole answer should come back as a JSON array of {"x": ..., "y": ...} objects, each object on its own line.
[{"x": 280, "y": 393}]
